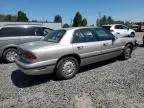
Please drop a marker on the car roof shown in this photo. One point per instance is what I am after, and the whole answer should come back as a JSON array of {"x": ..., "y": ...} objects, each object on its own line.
[
  {"x": 22, "y": 25},
  {"x": 76, "y": 28},
  {"x": 112, "y": 24}
]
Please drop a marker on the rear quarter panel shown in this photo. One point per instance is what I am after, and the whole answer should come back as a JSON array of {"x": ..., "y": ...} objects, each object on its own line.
[{"x": 52, "y": 52}]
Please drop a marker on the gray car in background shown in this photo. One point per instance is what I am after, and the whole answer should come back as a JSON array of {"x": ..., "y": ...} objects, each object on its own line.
[
  {"x": 13, "y": 35},
  {"x": 64, "y": 51}
]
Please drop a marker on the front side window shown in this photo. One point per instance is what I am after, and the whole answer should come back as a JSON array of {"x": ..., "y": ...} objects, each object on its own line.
[
  {"x": 54, "y": 36},
  {"x": 84, "y": 35},
  {"x": 103, "y": 34}
]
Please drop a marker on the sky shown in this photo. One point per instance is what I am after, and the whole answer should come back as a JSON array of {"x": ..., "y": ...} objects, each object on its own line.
[{"x": 132, "y": 10}]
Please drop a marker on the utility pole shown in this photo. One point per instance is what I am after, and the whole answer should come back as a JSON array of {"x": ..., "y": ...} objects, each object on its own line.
[{"x": 71, "y": 21}]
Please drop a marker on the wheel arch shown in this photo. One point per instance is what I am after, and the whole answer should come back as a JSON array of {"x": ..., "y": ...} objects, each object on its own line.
[
  {"x": 130, "y": 43},
  {"x": 8, "y": 47},
  {"x": 70, "y": 55}
]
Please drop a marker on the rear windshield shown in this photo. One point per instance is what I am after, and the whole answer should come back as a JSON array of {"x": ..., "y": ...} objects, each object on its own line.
[
  {"x": 106, "y": 27},
  {"x": 54, "y": 36}
]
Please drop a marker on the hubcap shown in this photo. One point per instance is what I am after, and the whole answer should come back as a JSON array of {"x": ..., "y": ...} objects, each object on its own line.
[
  {"x": 128, "y": 52},
  {"x": 10, "y": 56},
  {"x": 68, "y": 67}
]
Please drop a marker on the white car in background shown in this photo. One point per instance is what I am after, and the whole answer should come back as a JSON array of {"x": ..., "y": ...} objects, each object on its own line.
[{"x": 120, "y": 30}]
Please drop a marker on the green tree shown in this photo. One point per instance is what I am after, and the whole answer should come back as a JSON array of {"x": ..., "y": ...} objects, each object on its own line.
[
  {"x": 34, "y": 21},
  {"x": 104, "y": 20},
  {"x": 2, "y": 17},
  {"x": 127, "y": 23},
  {"x": 58, "y": 19},
  {"x": 8, "y": 18},
  {"x": 84, "y": 22},
  {"x": 110, "y": 20},
  {"x": 98, "y": 22},
  {"x": 119, "y": 22},
  {"x": 77, "y": 20},
  {"x": 66, "y": 26},
  {"x": 22, "y": 17},
  {"x": 14, "y": 18}
]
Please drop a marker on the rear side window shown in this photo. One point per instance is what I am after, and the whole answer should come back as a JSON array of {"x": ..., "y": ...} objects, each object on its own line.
[
  {"x": 103, "y": 34},
  {"x": 84, "y": 35},
  {"x": 11, "y": 31},
  {"x": 21, "y": 31},
  {"x": 124, "y": 27},
  {"x": 54, "y": 36}
]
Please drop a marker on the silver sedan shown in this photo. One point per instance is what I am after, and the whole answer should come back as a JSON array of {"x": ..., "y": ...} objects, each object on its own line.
[{"x": 64, "y": 51}]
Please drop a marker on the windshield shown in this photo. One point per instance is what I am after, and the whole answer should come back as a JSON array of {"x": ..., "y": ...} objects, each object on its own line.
[{"x": 54, "y": 36}]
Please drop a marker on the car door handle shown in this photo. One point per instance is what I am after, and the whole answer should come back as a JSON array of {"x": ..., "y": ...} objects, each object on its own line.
[
  {"x": 80, "y": 47},
  {"x": 105, "y": 44},
  {"x": 117, "y": 33}
]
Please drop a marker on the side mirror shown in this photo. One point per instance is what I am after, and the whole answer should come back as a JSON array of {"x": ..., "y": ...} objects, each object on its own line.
[{"x": 113, "y": 38}]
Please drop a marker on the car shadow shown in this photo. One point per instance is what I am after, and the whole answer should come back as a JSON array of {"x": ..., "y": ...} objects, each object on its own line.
[
  {"x": 140, "y": 45},
  {"x": 97, "y": 65},
  {"x": 1, "y": 61},
  {"x": 22, "y": 80}
]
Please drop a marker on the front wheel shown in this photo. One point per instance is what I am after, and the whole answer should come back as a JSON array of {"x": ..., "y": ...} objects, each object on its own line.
[
  {"x": 67, "y": 68},
  {"x": 127, "y": 52},
  {"x": 9, "y": 55}
]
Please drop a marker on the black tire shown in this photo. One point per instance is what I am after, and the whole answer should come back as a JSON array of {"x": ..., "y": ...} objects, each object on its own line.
[
  {"x": 143, "y": 40},
  {"x": 127, "y": 52},
  {"x": 68, "y": 62},
  {"x": 132, "y": 34},
  {"x": 13, "y": 52}
]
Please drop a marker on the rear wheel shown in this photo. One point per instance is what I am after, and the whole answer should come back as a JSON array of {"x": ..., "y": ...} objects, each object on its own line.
[
  {"x": 67, "y": 68},
  {"x": 9, "y": 55},
  {"x": 127, "y": 52}
]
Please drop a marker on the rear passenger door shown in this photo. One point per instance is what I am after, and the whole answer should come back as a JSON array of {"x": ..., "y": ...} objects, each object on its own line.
[{"x": 86, "y": 44}]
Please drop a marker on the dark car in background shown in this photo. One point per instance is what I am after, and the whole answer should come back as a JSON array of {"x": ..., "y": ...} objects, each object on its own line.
[{"x": 13, "y": 35}]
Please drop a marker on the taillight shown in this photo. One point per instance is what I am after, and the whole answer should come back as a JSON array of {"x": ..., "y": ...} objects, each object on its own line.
[{"x": 29, "y": 56}]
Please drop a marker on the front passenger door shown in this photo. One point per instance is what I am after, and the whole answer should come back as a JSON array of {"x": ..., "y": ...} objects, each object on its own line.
[{"x": 111, "y": 47}]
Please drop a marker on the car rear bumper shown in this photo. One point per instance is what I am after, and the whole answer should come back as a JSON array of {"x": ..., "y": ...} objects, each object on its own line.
[{"x": 46, "y": 69}]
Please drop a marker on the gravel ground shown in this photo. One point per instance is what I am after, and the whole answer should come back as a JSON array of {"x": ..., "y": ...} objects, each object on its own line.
[{"x": 109, "y": 84}]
